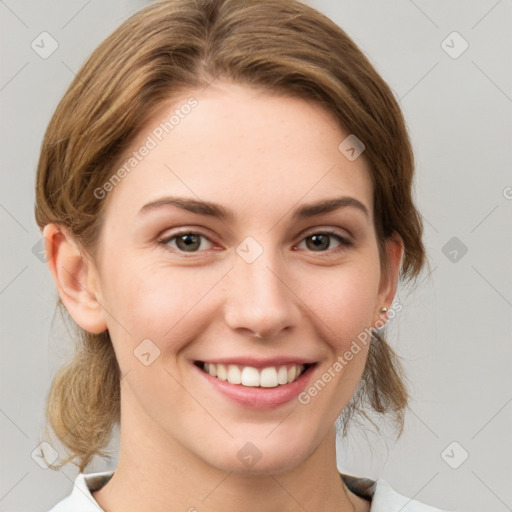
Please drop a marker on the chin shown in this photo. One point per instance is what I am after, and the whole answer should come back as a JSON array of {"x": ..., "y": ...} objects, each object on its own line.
[
  {"x": 261, "y": 456},
  {"x": 275, "y": 464}
]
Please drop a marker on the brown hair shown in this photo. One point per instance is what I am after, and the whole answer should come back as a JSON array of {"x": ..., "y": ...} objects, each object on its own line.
[{"x": 281, "y": 46}]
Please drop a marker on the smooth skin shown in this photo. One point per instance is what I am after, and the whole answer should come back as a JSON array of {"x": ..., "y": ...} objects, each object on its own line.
[{"x": 261, "y": 156}]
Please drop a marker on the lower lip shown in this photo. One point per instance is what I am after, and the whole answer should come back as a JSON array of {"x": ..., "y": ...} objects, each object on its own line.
[{"x": 258, "y": 397}]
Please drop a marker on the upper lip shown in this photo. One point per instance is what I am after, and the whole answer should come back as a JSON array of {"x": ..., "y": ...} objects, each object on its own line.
[{"x": 258, "y": 362}]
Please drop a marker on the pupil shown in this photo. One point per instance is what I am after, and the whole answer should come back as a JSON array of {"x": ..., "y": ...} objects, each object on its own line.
[
  {"x": 189, "y": 242},
  {"x": 319, "y": 241}
]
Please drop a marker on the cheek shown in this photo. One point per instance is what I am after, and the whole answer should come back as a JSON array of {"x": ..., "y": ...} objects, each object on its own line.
[
  {"x": 156, "y": 302},
  {"x": 344, "y": 299}
]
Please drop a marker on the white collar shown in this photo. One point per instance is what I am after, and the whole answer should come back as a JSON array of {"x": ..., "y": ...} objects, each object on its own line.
[{"x": 383, "y": 497}]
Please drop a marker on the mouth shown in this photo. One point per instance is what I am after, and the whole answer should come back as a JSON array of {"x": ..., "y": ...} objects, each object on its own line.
[{"x": 249, "y": 376}]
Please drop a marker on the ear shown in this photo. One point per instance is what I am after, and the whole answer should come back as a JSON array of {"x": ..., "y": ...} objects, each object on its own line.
[
  {"x": 394, "y": 248},
  {"x": 76, "y": 279}
]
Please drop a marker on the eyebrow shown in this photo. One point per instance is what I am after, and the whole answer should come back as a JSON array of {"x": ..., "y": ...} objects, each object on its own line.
[{"x": 218, "y": 211}]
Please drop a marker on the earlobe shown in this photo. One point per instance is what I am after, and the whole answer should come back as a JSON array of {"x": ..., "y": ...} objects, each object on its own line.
[{"x": 75, "y": 278}]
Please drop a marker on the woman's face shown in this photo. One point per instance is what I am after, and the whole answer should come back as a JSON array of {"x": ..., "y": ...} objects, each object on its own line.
[{"x": 242, "y": 217}]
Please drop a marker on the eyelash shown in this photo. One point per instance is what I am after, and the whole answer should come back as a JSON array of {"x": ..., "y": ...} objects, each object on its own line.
[{"x": 344, "y": 242}]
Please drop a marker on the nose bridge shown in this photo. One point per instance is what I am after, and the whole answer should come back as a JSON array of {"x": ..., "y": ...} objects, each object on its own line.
[{"x": 258, "y": 298}]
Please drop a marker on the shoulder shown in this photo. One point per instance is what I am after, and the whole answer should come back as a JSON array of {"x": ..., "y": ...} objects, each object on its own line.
[
  {"x": 383, "y": 497},
  {"x": 81, "y": 499},
  {"x": 386, "y": 499}
]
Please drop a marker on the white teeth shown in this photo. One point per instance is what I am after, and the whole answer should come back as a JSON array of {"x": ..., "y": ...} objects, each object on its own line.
[
  {"x": 282, "y": 375},
  {"x": 268, "y": 378},
  {"x": 234, "y": 374},
  {"x": 222, "y": 373},
  {"x": 249, "y": 376},
  {"x": 292, "y": 373}
]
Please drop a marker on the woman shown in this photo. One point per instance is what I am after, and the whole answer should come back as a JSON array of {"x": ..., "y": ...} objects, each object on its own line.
[{"x": 225, "y": 194}]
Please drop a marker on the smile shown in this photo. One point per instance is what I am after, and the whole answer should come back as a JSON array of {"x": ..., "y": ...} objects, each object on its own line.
[{"x": 268, "y": 377}]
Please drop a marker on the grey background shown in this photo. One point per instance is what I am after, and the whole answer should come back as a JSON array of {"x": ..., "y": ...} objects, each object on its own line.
[{"x": 454, "y": 332}]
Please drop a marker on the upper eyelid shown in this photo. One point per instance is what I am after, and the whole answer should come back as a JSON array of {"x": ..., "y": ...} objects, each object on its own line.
[{"x": 329, "y": 231}]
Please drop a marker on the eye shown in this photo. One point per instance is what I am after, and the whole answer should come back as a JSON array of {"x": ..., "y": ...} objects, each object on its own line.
[
  {"x": 191, "y": 241},
  {"x": 186, "y": 241},
  {"x": 322, "y": 241}
]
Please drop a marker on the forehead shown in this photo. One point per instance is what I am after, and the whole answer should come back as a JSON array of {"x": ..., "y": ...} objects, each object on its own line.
[{"x": 241, "y": 147}]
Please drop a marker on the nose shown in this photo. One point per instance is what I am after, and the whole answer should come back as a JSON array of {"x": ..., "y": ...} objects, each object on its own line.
[{"x": 260, "y": 298}]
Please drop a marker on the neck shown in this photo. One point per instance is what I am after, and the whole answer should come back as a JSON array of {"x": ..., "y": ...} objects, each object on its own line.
[{"x": 155, "y": 472}]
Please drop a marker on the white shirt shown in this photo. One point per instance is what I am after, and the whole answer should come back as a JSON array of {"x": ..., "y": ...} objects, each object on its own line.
[{"x": 383, "y": 497}]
